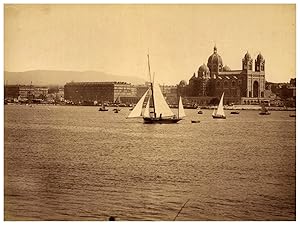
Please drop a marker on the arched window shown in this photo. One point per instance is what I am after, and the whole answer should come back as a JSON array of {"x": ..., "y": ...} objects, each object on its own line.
[
  {"x": 255, "y": 89},
  {"x": 225, "y": 84}
]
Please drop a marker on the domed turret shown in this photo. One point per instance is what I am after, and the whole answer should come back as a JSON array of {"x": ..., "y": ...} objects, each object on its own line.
[
  {"x": 260, "y": 63},
  {"x": 247, "y": 62},
  {"x": 260, "y": 57},
  {"x": 215, "y": 62},
  {"x": 182, "y": 83},
  {"x": 203, "y": 71},
  {"x": 203, "y": 68},
  {"x": 226, "y": 68},
  {"x": 247, "y": 56}
]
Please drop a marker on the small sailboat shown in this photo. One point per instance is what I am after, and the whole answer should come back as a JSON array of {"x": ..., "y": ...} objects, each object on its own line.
[
  {"x": 219, "y": 114},
  {"x": 157, "y": 110},
  {"x": 117, "y": 103},
  {"x": 264, "y": 111}
]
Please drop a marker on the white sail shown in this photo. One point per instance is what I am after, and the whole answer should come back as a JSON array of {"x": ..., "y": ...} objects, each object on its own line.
[
  {"x": 137, "y": 111},
  {"x": 181, "y": 112},
  {"x": 161, "y": 107},
  {"x": 147, "y": 109},
  {"x": 220, "y": 110}
]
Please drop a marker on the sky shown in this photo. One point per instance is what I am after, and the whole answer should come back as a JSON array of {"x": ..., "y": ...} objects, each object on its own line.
[{"x": 179, "y": 38}]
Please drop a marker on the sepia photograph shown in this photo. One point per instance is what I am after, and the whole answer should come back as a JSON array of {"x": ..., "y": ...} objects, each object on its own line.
[{"x": 149, "y": 112}]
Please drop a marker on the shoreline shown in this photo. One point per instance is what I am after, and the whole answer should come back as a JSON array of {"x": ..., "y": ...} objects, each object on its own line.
[{"x": 234, "y": 107}]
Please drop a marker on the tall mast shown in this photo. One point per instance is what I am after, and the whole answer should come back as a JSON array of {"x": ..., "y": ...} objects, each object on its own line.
[
  {"x": 178, "y": 105},
  {"x": 151, "y": 85}
]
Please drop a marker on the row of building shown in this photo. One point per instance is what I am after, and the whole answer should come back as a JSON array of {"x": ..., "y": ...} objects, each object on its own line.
[
  {"x": 30, "y": 93},
  {"x": 244, "y": 86}
]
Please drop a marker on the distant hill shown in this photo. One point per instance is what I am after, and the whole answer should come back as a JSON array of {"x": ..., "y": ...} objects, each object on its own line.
[{"x": 53, "y": 77}]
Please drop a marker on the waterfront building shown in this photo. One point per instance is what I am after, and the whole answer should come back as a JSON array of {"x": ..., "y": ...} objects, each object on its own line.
[
  {"x": 25, "y": 92},
  {"x": 100, "y": 92},
  {"x": 11, "y": 91},
  {"x": 244, "y": 86}
]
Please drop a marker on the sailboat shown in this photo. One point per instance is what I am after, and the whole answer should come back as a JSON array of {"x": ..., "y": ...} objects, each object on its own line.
[
  {"x": 264, "y": 111},
  {"x": 159, "y": 112},
  {"x": 117, "y": 102},
  {"x": 219, "y": 114}
]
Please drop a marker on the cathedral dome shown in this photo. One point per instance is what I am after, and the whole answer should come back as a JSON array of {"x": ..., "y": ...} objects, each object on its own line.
[
  {"x": 203, "y": 68},
  {"x": 215, "y": 58},
  {"x": 226, "y": 68},
  {"x": 182, "y": 83}
]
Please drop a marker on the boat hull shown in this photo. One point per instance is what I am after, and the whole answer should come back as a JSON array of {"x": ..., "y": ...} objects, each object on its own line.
[
  {"x": 161, "y": 120},
  {"x": 218, "y": 117},
  {"x": 264, "y": 113}
]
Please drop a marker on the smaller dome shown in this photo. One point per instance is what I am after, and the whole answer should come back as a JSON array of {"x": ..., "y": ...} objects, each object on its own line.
[
  {"x": 182, "y": 83},
  {"x": 247, "y": 56},
  {"x": 260, "y": 57},
  {"x": 203, "y": 68},
  {"x": 226, "y": 68}
]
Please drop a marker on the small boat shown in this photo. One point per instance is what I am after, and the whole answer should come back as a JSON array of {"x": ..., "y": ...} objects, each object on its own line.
[
  {"x": 264, "y": 111},
  {"x": 219, "y": 114},
  {"x": 200, "y": 112},
  {"x": 195, "y": 121},
  {"x": 116, "y": 110},
  {"x": 160, "y": 112},
  {"x": 235, "y": 112},
  {"x": 292, "y": 115},
  {"x": 103, "y": 109}
]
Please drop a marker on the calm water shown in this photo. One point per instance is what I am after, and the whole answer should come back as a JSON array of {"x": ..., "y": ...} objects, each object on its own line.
[{"x": 75, "y": 163}]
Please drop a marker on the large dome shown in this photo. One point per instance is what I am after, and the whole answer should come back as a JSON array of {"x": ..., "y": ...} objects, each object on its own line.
[{"x": 215, "y": 58}]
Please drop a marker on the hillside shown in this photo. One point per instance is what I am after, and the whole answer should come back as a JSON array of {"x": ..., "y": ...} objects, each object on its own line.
[{"x": 51, "y": 77}]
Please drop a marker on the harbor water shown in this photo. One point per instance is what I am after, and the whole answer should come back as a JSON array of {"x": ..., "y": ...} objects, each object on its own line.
[{"x": 76, "y": 163}]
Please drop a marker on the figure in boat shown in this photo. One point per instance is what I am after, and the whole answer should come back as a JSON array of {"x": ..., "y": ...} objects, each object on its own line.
[
  {"x": 157, "y": 110},
  {"x": 264, "y": 110},
  {"x": 219, "y": 114}
]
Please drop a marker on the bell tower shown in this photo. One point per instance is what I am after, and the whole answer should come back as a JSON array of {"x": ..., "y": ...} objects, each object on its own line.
[
  {"x": 247, "y": 62},
  {"x": 260, "y": 63}
]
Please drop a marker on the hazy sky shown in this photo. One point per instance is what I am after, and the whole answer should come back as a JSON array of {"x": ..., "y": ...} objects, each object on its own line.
[{"x": 116, "y": 38}]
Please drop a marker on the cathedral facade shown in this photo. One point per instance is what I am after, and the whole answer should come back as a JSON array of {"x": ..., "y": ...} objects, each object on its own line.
[{"x": 245, "y": 86}]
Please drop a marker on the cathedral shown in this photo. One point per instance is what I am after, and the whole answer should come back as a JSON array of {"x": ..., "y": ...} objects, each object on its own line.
[{"x": 245, "y": 86}]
